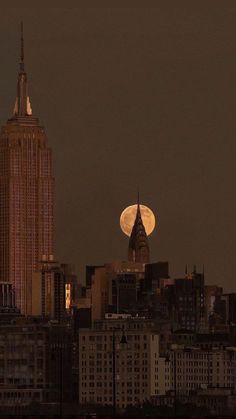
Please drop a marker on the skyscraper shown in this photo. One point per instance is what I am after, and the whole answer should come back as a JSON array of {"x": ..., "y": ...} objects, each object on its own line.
[
  {"x": 138, "y": 243},
  {"x": 26, "y": 195}
]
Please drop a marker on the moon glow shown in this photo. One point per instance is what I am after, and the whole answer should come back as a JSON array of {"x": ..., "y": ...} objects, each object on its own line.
[{"x": 128, "y": 216}]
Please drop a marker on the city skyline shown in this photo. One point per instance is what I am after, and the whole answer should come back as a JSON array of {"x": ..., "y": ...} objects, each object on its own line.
[
  {"x": 187, "y": 177},
  {"x": 128, "y": 108}
]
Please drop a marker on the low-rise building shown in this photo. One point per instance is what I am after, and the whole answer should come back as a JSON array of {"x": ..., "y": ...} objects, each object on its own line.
[
  {"x": 212, "y": 401},
  {"x": 193, "y": 368}
]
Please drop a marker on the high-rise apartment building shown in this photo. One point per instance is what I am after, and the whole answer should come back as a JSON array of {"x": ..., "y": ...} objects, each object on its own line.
[
  {"x": 36, "y": 366},
  {"x": 26, "y": 195},
  {"x": 186, "y": 301},
  {"x": 114, "y": 287},
  {"x": 154, "y": 272},
  {"x": 138, "y": 372},
  {"x": 23, "y": 364},
  {"x": 48, "y": 291}
]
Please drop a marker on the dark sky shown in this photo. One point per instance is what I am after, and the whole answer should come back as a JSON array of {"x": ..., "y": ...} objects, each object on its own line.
[{"x": 135, "y": 96}]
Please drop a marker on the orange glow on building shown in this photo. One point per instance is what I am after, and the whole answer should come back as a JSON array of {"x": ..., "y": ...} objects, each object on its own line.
[{"x": 26, "y": 196}]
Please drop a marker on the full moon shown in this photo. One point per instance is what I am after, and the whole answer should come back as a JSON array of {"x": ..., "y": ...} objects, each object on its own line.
[{"x": 128, "y": 216}]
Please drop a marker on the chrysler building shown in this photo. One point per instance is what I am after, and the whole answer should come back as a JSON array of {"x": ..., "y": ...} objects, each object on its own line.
[{"x": 138, "y": 250}]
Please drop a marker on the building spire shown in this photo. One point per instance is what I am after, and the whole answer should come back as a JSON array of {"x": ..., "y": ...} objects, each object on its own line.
[
  {"x": 138, "y": 250},
  {"x": 22, "y": 63},
  {"x": 22, "y": 109},
  {"x": 22, "y": 99},
  {"x": 138, "y": 214}
]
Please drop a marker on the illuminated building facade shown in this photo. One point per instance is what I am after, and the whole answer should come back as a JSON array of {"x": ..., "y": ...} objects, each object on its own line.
[
  {"x": 54, "y": 290},
  {"x": 26, "y": 196}
]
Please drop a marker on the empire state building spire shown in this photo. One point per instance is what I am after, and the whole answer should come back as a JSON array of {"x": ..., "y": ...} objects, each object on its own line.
[
  {"x": 138, "y": 243},
  {"x": 22, "y": 108},
  {"x": 22, "y": 64}
]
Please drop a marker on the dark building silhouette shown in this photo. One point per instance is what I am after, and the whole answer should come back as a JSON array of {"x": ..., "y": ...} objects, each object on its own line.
[
  {"x": 8, "y": 310},
  {"x": 124, "y": 292},
  {"x": 7, "y": 295},
  {"x": 230, "y": 308},
  {"x": 48, "y": 291},
  {"x": 153, "y": 273},
  {"x": 59, "y": 363},
  {"x": 90, "y": 270},
  {"x": 81, "y": 318},
  {"x": 138, "y": 243},
  {"x": 186, "y": 302}
]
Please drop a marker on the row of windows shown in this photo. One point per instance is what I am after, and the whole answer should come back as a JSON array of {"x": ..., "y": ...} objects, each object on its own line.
[
  {"x": 99, "y": 338},
  {"x": 13, "y": 395}
]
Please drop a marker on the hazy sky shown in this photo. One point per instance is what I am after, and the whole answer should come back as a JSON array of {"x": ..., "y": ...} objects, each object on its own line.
[{"x": 135, "y": 96}]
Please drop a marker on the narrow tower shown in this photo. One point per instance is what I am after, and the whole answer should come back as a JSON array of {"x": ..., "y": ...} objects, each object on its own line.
[
  {"x": 138, "y": 243},
  {"x": 26, "y": 195}
]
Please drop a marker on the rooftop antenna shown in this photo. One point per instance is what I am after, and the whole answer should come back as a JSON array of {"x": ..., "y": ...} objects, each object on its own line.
[{"x": 22, "y": 64}]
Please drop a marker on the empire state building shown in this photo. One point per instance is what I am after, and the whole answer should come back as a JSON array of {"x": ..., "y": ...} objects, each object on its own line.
[{"x": 26, "y": 195}]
